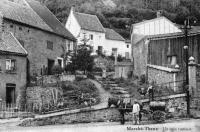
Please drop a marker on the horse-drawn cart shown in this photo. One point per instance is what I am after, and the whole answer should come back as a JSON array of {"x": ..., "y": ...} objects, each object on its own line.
[{"x": 155, "y": 110}]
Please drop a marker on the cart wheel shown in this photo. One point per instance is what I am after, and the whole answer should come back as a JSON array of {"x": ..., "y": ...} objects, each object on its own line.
[{"x": 159, "y": 116}]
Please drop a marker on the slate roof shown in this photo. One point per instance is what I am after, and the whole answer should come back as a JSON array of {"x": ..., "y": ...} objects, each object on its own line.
[
  {"x": 89, "y": 22},
  {"x": 22, "y": 14},
  {"x": 50, "y": 19},
  {"x": 34, "y": 15},
  {"x": 9, "y": 44},
  {"x": 112, "y": 35}
]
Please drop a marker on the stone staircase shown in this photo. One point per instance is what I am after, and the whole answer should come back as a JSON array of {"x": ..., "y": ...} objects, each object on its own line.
[{"x": 114, "y": 89}]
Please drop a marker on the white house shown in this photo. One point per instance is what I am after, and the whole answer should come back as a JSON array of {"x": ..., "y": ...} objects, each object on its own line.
[
  {"x": 103, "y": 39},
  {"x": 80, "y": 25},
  {"x": 115, "y": 41}
]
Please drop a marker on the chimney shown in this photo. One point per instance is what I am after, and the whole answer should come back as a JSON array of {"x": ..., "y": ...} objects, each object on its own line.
[
  {"x": 72, "y": 9},
  {"x": 159, "y": 13}
]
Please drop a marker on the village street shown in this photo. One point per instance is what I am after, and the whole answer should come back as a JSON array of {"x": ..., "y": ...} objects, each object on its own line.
[{"x": 178, "y": 126}]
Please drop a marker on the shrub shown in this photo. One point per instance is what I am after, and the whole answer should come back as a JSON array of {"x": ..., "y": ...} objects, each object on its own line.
[
  {"x": 97, "y": 69},
  {"x": 90, "y": 75},
  {"x": 79, "y": 78},
  {"x": 143, "y": 79},
  {"x": 56, "y": 69}
]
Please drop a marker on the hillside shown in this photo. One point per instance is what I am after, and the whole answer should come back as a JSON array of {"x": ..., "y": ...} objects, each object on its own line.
[{"x": 120, "y": 14}]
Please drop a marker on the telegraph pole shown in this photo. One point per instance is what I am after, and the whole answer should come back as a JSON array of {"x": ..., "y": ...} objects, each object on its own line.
[{"x": 186, "y": 48}]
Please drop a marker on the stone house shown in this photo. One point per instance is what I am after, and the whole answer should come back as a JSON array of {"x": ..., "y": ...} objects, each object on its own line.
[
  {"x": 102, "y": 39},
  {"x": 38, "y": 31},
  {"x": 13, "y": 66}
]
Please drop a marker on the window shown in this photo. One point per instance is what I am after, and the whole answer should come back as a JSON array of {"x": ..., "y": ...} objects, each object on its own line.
[
  {"x": 91, "y": 37},
  {"x": 11, "y": 26},
  {"x": 127, "y": 46},
  {"x": 10, "y": 65},
  {"x": 50, "y": 45}
]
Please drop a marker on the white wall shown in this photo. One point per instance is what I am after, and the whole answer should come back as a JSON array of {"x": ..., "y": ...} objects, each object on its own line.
[
  {"x": 120, "y": 45},
  {"x": 72, "y": 24},
  {"x": 98, "y": 38},
  {"x": 156, "y": 26}
]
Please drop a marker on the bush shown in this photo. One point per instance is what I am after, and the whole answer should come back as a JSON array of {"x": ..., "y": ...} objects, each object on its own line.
[
  {"x": 97, "y": 69},
  {"x": 56, "y": 69},
  {"x": 143, "y": 79},
  {"x": 80, "y": 78},
  {"x": 90, "y": 75}
]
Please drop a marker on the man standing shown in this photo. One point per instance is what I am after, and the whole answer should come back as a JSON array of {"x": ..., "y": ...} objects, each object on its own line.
[{"x": 136, "y": 110}]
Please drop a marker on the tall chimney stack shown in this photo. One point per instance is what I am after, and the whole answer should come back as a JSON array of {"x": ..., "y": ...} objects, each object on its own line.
[{"x": 159, "y": 13}]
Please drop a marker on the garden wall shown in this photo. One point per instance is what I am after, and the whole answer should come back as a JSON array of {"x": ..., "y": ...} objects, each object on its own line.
[
  {"x": 100, "y": 115},
  {"x": 175, "y": 104},
  {"x": 165, "y": 76},
  {"x": 51, "y": 79},
  {"x": 39, "y": 99}
]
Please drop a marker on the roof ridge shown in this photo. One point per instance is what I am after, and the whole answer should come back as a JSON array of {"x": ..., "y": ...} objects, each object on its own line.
[{"x": 85, "y": 14}]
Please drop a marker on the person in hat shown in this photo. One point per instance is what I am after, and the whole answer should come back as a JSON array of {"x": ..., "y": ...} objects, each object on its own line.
[{"x": 135, "y": 111}]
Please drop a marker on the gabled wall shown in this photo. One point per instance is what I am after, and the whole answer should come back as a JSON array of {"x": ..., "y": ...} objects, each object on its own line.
[
  {"x": 72, "y": 24},
  {"x": 155, "y": 26}
]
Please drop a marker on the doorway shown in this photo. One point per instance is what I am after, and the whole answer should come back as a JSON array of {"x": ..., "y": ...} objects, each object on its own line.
[
  {"x": 10, "y": 93},
  {"x": 50, "y": 66}
]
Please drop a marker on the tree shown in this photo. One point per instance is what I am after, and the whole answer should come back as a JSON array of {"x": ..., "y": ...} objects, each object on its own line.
[{"x": 82, "y": 59}]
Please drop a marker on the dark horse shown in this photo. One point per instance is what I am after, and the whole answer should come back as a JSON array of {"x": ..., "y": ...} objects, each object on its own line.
[{"x": 114, "y": 101}]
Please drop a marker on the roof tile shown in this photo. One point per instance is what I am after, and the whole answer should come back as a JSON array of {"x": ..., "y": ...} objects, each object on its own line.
[
  {"x": 111, "y": 34},
  {"x": 50, "y": 19},
  {"x": 89, "y": 22},
  {"x": 23, "y": 14},
  {"x": 11, "y": 45}
]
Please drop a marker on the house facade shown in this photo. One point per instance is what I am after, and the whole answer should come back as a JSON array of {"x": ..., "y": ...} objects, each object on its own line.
[
  {"x": 102, "y": 39},
  {"x": 13, "y": 68},
  {"x": 39, "y": 32},
  {"x": 140, "y": 43},
  {"x": 161, "y": 57}
]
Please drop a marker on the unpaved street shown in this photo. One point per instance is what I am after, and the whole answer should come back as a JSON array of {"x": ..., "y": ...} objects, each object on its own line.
[{"x": 178, "y": 126}]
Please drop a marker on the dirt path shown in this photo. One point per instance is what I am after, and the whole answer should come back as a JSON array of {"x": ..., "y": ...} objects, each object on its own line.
[{"x": 104, "y": 95}]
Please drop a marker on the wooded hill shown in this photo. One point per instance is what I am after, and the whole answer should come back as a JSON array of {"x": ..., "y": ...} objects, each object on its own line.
[{"x": 120, "y": 14}]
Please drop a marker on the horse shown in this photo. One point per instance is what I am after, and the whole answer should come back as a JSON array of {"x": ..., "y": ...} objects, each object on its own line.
[{"x": 114, "y": 101}]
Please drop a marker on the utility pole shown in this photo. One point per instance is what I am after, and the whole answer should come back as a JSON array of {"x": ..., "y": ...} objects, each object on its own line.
[{"x": 186, "y": 48}]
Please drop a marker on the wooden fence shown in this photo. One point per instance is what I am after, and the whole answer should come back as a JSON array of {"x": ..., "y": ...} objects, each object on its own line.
[{"x": 12, "y": 111}]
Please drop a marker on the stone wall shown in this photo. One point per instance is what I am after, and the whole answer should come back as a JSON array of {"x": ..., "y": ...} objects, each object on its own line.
[
  {"x": 100, "y": 115},
  {"x": 40, "y": 99},
  {"x": 35, "y": 42},
  {"x": 139, "y": 54},
  {"x": 165, "y": 76},
  {"x": 174, "y": 104},
  {"x": 17, "y": 77},
  {"x": 52, "y": 79}
]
